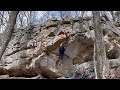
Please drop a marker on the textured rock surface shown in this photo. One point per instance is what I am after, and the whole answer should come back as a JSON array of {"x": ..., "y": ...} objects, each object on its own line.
[{"x": 26, "y": 52}]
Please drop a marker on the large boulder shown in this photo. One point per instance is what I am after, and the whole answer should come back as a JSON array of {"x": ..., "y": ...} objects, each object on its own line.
[{"x": 33, "y": 51}]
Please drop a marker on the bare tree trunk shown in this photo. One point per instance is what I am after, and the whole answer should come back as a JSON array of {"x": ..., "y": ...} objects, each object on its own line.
[
  {"x": 61, "y": 14},
  {"x": 113, "y": 16},
  {"x": 81, "y": 21},
  {"x": 100, "y": 54},
  {"x": 76, "y": 14},
  {"x": 117, "y": 15},
  {"x": 30, "y": 18},
  {"x": 21, "y": 19},
  {"x": 8, "y": 31},
  {"x": 95, "y": 63},
  {"x": 82, "y": 13}
]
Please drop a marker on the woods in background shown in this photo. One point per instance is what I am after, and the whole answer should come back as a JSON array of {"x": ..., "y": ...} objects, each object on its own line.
[{"x": 9, "y": 20}]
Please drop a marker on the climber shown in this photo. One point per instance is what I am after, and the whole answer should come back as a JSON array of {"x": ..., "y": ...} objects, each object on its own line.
[
  {"x": 61, "y": 55},
  {"x": 61, "y": 52}
]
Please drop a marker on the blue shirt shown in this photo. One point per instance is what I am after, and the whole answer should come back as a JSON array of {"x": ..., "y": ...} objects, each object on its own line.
[{"x": 61, "y": 50}]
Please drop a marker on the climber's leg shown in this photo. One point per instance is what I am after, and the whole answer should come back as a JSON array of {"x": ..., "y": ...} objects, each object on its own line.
[{"x": 61, "y": 56}]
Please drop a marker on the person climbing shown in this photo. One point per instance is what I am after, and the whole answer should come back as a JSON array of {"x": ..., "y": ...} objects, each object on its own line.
[
  {"x": 61, "y": 52},
  {"x": 61, "y": 55}
]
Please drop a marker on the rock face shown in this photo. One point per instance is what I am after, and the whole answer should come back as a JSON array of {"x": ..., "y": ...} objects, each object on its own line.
[{"x": 35, "y": 50}]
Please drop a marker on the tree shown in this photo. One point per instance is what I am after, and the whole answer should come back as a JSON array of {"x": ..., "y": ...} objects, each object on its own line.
[
  {"x": 113, "y": 16},
  {"x": 32, "y": 15},
  {"x": 21, "y": 16},
  {"x": 100, "y": 53},
  {"x": 77, "y": 13},
  {"x": 117, "y": 15},
  {"x": 3, "y": 20},
  {"x": 8, "y": 32},
  {"x": 62, "y": 14},
  {"x": 65, "y": 14}
]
